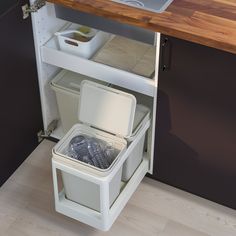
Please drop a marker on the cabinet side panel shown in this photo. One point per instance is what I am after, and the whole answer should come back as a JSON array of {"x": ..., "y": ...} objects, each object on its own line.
[{"x": 45, "y": 24}]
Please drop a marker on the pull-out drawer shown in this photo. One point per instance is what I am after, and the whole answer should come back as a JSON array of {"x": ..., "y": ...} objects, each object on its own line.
[
  {"x": 103, "y": 219},
  {"x": 96, "y": 194}
]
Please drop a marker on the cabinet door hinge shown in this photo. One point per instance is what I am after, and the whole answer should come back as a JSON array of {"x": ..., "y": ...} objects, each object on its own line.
[
  {"x": 26, "y": 9},
  {"x": 46, "y": 133}
]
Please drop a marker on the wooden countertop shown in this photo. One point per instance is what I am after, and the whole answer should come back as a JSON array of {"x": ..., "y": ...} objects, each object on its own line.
[{"x": 207, "y": 22}]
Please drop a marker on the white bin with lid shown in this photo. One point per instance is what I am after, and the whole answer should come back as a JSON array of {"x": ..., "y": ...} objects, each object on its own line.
[
  {"x": 106, "y": 109},
  {"x": 81, "y": 190},
  {"x": 66, "y": 85},
  {"x": 142, "y": 116}
]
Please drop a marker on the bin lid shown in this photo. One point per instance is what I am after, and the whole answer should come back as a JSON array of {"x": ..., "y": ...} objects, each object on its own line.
[
  {"x": 68, "y": 80},
  {"x": 106, "y": 108}
]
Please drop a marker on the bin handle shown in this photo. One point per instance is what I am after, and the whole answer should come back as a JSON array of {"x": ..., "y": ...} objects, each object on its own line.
[
  {"x": 166, "y": 54},
  {"x": 71, "y": 42}
]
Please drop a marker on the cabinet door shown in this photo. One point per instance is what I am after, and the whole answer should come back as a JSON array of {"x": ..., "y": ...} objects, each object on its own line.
[
  {"x": 196, "y": 121},
  {"x": 20, "y": 118}
]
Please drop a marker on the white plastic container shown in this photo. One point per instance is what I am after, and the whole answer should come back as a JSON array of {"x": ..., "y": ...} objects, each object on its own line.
[
  {"x": 106, "y": 109},
  {"x": 139, "y": 120},
  {"x": 142, "y": 116},
  {"x": 80, "y": 190},
  {"x": 66, "y": 85},
  {"x": 69, "y": 42}
]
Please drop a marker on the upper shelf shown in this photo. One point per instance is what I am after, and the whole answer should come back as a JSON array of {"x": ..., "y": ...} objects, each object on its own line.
[
  {"x": 210, "y": 22},
  {"x": 120, "y": 61}
]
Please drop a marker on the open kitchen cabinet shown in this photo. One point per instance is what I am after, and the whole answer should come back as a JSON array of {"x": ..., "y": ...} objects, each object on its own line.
[
  {"x": 51, "y": 61},
  {"x": 192, "y": 114}
]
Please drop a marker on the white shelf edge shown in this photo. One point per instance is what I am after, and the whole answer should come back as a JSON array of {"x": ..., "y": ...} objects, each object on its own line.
[{"x": 53, "y": 56}]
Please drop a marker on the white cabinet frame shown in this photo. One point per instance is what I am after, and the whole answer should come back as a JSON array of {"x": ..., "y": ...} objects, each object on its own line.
[{"x": 49, "y": 61}]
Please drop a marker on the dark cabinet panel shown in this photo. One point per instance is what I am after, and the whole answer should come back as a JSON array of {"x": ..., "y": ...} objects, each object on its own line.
[
  {"x": 7, "y": 5},
  {"x": 196, "y": 120},
  {"x": 21, "y": 117}
]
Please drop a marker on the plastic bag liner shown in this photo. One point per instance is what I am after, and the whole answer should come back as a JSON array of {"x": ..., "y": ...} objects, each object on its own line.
[{"x": 92, "y": 151}]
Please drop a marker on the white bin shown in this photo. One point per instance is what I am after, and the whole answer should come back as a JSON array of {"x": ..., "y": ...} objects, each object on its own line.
[
  {"x": 80, "y": 190},
  {"x": 142, "y": 116},
  {"x": 66, "y": 85},
  {"x": 69, "y": 42},
  {"x": 106, "y": 109}
]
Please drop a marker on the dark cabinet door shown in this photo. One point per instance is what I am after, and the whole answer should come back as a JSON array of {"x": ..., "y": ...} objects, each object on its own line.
[
  {"x": 196, "y": 120},
  {"x": 20, "y": 116}
]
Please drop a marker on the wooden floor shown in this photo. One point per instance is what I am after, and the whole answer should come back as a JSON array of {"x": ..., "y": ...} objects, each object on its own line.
[{"x": 26, "y": 208}]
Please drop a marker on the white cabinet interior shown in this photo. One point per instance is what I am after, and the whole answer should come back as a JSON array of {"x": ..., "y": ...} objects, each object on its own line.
[{"x": 50, "y": 61}]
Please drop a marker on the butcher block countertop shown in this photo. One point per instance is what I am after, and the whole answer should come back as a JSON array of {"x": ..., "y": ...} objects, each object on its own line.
[{"x": 207, "y": 22}]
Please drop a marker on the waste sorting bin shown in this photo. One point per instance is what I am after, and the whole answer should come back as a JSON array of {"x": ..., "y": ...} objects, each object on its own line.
[{"x": 112, "y": 116}]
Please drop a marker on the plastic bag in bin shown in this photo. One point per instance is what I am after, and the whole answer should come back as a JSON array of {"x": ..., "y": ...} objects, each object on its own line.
[{"x": 92, "y": 151}]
